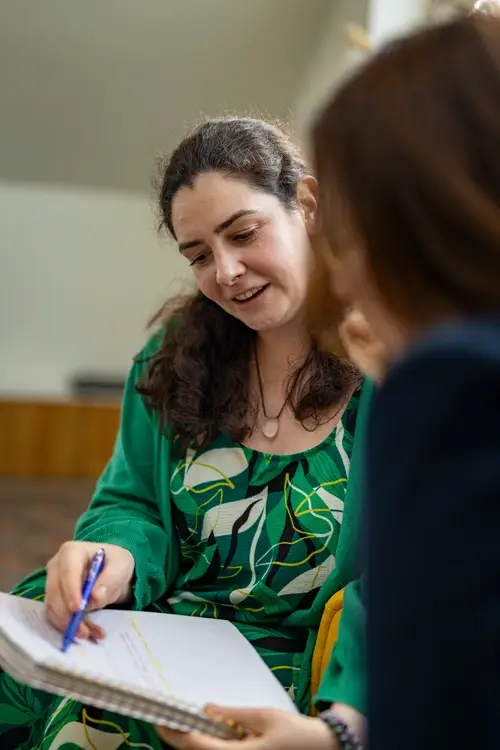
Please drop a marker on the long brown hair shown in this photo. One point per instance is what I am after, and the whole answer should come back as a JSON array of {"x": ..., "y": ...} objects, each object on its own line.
[
  {"x": 408, "y": 159},
  {"x": 198, "y": 381}
]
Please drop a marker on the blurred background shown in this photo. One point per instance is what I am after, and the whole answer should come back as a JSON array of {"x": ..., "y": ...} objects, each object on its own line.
[{"x": 92, "y": 94}]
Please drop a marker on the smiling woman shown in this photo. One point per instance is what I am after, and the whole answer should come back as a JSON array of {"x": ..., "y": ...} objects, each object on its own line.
[
  {"x": 237, "y": 198},
  {"x": 226, "y": 493},
  {"x": 246, "y": 257}
]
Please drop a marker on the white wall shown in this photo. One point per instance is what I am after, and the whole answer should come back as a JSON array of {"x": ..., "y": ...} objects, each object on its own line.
[
  {"x": 80, "y": 272},
  {"x": 390, "y": 18},
  {"x": 334, "y": 57}
]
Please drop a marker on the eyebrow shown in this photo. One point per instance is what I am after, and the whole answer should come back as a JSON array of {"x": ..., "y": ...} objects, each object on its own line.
[{"x": 218, "y": 229}]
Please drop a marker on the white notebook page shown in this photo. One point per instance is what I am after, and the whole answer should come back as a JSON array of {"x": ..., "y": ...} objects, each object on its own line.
[{"x": 192, "y": 659}]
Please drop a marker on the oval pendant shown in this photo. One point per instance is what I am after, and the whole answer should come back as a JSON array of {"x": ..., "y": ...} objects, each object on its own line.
[{"x": 270, "y": 428}]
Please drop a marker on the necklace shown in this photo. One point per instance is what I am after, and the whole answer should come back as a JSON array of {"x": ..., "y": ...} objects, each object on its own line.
[{"x": 271, "y": 424}]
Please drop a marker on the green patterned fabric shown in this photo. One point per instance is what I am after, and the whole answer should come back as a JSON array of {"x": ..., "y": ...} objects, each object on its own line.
[{"x": 258, "y": 535}]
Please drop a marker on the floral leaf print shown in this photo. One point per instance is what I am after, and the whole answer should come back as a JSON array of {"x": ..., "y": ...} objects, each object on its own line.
[
  {"x": 23, "y": 707},
  {"x": 77, "y": 735},
  {"x": 61, "y": 711},
  {"x": 259, "y": 535},
  {"x": 309, "y": 580},
  {"x": 21, "y": 695},
  {"x": 332, "y": 501},
  {"x": 221, "y": 520},
  {"x": 331, "y": 464},
  {"x": 266, "y": 468},
  {"x": 13, "y": 716},
  {"x": 214, "y": 468}
]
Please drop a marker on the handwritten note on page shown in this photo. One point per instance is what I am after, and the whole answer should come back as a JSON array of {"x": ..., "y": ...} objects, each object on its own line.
[{"x": 193, "y": 659}]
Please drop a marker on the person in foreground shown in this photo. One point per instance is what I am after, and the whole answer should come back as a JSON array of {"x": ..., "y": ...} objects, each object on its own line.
[
  {"x": 411, "y": 199},
  {"x": 226, "y": 493}
]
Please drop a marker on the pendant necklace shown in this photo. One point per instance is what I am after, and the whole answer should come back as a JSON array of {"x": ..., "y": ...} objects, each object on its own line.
[{"x": 271, "y": 424}]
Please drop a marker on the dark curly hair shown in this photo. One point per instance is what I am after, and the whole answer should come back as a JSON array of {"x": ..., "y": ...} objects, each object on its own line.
[{"x": 198, "y": 381}]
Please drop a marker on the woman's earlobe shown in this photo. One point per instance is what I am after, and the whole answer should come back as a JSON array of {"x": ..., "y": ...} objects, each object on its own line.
[
  {"x": 314, "y": 225},
  {"x": 313, "y": 221}
]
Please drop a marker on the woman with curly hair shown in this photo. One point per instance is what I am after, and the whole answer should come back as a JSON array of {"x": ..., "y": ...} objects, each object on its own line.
[{"x": 225, "y": 493}]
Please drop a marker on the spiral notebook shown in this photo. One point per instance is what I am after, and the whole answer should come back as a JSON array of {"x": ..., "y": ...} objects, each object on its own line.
[{"x": 160, "y": 668}]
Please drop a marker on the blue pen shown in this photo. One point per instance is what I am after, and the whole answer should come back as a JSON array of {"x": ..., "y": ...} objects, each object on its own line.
[{"x": 95, "y": 569}]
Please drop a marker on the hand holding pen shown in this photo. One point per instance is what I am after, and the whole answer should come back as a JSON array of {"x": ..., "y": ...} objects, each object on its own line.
[
  {"x": 67, "y": 573},
  {"x": 76, "y": 618}
]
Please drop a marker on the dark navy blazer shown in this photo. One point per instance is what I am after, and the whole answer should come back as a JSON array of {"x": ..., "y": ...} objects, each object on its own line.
[{"x": 432, "y": 489}]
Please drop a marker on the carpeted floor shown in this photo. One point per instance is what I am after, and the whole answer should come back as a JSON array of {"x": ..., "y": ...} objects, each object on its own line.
[{"x": 35, "y": 517}]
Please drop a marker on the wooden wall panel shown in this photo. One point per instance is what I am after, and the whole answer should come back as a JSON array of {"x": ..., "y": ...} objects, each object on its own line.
[
  {"x": 70, "y": 439},
  {"x": 97, "y": 428}
]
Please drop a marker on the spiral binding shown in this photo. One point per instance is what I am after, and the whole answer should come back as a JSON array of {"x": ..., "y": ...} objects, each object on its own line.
[{"x": 112, "y": 695}]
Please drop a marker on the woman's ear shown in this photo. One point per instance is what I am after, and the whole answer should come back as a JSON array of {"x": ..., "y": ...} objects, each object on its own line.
[{"x": 307, "y": 198}]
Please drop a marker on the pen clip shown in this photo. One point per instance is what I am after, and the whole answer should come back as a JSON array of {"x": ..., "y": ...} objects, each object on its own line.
[{"x": 95, "y": 566}]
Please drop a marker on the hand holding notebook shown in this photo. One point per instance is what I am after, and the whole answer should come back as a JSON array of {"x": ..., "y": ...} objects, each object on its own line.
[{"x": 156, "y": 667}]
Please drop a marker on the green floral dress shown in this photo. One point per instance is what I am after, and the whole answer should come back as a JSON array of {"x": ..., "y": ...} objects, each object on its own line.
[{"x": 258, "y": 537}]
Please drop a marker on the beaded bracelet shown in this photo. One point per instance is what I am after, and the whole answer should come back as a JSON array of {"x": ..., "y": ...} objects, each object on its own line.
[{"x": 345, "y": 736}]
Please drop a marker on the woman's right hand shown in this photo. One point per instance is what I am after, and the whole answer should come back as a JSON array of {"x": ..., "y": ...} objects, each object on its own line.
[{"x": 66, "y": 572}]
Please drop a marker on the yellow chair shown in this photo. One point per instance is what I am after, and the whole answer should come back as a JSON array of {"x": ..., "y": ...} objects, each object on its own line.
[{"x": 327, "y": 636}]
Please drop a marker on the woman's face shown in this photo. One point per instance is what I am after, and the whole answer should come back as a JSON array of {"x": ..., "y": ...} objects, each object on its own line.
[{"x": 249, "y": 254}]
